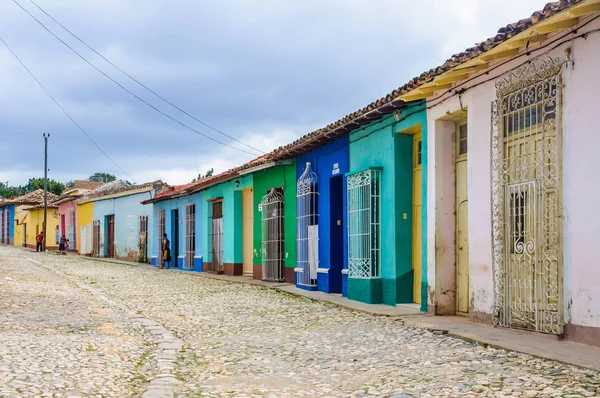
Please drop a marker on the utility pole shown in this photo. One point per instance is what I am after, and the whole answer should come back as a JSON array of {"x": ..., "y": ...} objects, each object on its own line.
[{"x": 46, "y": 136}]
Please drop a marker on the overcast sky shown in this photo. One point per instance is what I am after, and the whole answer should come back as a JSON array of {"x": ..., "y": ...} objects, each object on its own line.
[{"x": 265, "y": 72}]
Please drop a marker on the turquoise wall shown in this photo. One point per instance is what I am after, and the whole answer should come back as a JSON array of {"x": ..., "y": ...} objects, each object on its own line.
[
  {"x": 232, "y": 218},
  {"x": 379, "y": 145}
]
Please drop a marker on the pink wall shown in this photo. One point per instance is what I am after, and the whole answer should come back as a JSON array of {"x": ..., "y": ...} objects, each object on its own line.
[{"x": 63, "y": 210}]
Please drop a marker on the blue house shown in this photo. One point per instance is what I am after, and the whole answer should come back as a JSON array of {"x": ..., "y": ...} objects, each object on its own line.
[
  {"x": 322, "y": 244},
  {"x": 7, "y": 217},
  {"x": 178, "y": 213},
  {"x": 122, "y": 226}
]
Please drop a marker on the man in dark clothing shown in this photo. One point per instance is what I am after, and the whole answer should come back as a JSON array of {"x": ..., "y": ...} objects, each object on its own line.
[
  {"x": 39, "y": 240},
  {"x": 166, "y": 252}
]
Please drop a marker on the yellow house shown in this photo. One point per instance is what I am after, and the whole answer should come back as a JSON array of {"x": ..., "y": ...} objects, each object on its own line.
[
  {"x": 85, "y": 216},
  {"x": 29, "y": 219}
]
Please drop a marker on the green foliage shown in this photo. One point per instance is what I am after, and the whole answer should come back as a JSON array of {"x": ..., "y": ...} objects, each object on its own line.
[
  {"x": 105, "y": 177},
  {"x": 70, "y": 183},
  {"x": 142, "y": 247},
  {"x": 200, "y": 176},
  {"x": 7, "y": 191}
]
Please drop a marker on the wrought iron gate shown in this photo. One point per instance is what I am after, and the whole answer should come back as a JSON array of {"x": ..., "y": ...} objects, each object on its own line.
[
  {"x": 190, "y": 236},
  {"x": 96, "y": 238},
  {"x": 2, "y": 227},
  {"x": 364, "y": 224},
  {"x": 307, "y": 227},
  {"x": 526, "y": 198},
  {"x": 216, "y": 236},
  {"x": 143, "y": 242},
  {"x": 272, "y": 235}
]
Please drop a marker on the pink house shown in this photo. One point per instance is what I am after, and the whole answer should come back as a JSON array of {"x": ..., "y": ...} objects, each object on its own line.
[{"x": 67, "y": 212}]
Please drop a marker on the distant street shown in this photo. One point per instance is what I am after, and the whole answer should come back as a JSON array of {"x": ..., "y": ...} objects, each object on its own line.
[{"x": 71, "y": 327}]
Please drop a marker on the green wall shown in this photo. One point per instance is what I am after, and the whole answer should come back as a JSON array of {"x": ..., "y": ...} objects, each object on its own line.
[
  {"x": 232, "y": 218},
  {"x": 379, "y": 145},
  {"x": 264, "y": 180}
]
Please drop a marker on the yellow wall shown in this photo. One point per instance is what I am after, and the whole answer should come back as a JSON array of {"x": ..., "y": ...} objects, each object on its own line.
[
  {"x": 85, "y": 216},
  {"x": 34, "y": 220}
]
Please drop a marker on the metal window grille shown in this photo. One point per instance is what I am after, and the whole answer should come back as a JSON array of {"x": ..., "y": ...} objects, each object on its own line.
[
  {"x": 96, "y": 238},
  {"x": 72, "y": 236},
  {"x": 8, "y": 226},
  {"x": 526, "y": 198},
  {"x": 160, "y": 229},
  {"x": 143, "y": 243},
  {"x": 307, "y": 227},
  {"x": 215, "y": 222},
  {"x": 190, "y": 235},
  {"x": 2, "y": 228},
  {"x": 364, "y": 224},
  {"x": 272, "y": 235}
]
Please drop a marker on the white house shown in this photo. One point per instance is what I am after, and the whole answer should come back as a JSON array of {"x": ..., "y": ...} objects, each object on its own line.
[{"x": 513, "y": 221}]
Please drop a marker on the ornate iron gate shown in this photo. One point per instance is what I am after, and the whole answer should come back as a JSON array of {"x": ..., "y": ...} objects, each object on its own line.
[
  {"x": 307, "y": 228},
  {"x": 190, "y": 236},
  {"x": 526, "y": 198},
  {"x": 364, "y": 224},
  {"x": 96, "y": 238},
  {"x": 272, "y": 235}
]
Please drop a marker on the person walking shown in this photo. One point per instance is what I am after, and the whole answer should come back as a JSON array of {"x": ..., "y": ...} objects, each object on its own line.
[
  {"x": 39, "y": 240},
  {"x": 61, "y": 245},
  {"x": 166, "y": 252}
]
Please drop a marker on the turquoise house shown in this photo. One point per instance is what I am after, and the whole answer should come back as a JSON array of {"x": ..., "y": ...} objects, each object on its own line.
[
  {"x": 386, "y": 201},
  {"x": 228, "y": 216}
]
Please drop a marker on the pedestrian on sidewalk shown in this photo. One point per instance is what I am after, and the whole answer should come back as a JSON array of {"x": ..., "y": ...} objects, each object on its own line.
[
  {"x": 166, "y": 252},
  {"x": 38, "y": 242},
  {"x": 61, "y": 244},
  {"x": 67, "y": 246}
]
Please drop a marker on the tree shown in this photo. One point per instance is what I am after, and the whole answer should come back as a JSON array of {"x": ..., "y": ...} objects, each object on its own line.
[
  {"x": 70, "y": 184},
  {"x": 38, "y": 183},
  {"x": 200, "y": 176},
  {"x": 104, "y": 176}
]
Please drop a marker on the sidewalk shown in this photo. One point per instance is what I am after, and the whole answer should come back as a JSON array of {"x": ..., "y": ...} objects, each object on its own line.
[{"x": 543, "y": 346}]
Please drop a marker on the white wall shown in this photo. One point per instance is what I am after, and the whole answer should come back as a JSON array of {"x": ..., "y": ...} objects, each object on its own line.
[{"x": 581, "y": 193}]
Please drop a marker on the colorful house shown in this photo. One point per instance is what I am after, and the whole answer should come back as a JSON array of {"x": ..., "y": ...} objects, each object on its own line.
[
  {"x": 275, "y": 220},
  {"x": 67, "y": 211},
  {"x": 7, "y": 219},
  {"x": 228, "y": 222},
  {"x": 122, "y": 226},
  {"x": 28, "y": 216},
  {"x": 178, "y": 213},
  {"x": 321, "y": 217},
  {"x": 512, "y": 234}
]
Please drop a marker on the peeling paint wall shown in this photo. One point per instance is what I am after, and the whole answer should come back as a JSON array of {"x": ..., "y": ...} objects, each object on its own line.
[{"x": 581, "y": 221}]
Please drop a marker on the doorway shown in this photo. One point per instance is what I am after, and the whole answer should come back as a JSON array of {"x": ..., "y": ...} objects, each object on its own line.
[
  {"x": 175, "y": 236},
  {"x": 110, "y": 236},
  {"x": 272, "y": 235},
  {"x": 190, "y": 236},
  {"x": 417, "y": 223},
  {"x": 247, "y": 231},
  {"x": 462, "y": 221},
  {"x": 216, "y": 237},
  {"x": 336, "y": 239}
]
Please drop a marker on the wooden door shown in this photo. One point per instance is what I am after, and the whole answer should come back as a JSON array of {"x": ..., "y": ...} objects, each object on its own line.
[
  {"x": 417, "y": 247},
  {"x": 247, "y": 231},
  {"x": 110, "y": 225},
  {"x": 217, "y": 237},
  {"x": 462, "y": 222}
]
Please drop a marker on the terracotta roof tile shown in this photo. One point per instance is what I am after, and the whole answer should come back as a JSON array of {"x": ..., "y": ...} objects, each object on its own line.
[{"x": 33, "y": 198}]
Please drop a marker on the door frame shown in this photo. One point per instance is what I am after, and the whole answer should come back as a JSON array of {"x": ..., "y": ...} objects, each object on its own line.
[{"x": 460, "y": 158}]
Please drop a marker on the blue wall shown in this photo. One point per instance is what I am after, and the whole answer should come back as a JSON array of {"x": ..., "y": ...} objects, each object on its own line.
[
  {"x": 169, "y": 206},
  {"x": 127, "y": 210},
  {"x": 333, "y": 253},
  {"x": 11, "y": 232}
]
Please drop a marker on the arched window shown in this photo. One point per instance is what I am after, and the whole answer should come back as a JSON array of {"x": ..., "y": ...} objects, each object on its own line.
[{"x": 307, "y": 227}]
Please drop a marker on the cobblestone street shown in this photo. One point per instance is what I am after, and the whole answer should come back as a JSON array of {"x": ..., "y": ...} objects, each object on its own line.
[{"x": 71, "y": 327}]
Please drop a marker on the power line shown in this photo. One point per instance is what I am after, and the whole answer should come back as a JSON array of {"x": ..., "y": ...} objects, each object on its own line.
[
  {"x": 140, "y": 83},
  {"x": 61, "y": 108},
  {"x": 126, "y": 89}
]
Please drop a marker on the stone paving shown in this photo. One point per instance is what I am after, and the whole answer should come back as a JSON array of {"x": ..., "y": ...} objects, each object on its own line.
[{"x": 76, "y": 328}]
